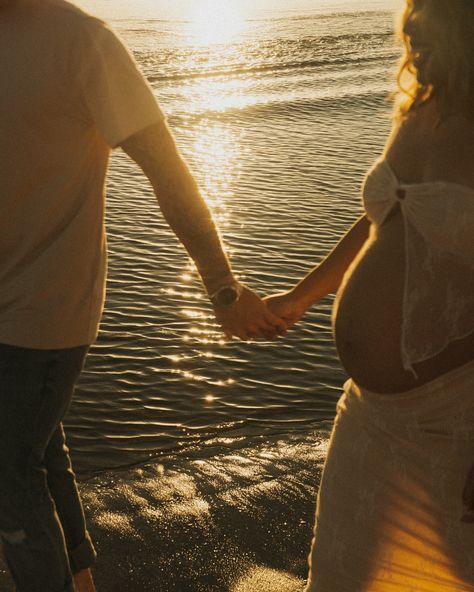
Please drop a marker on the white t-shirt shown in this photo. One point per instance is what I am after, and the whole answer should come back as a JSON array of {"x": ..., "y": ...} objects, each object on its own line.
[{"x": 69, "y": 92}]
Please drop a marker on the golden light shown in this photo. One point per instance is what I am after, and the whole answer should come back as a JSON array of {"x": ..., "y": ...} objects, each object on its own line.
[
  {"x": 216, "y": 150},
  {"x": 216, "y": 21},
  {"x": 219, "y": 94}
]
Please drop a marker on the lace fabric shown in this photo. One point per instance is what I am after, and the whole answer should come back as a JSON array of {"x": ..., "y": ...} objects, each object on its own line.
[
  {"x": 438, "y": 303},
  {"x": 389, "y": 501}
]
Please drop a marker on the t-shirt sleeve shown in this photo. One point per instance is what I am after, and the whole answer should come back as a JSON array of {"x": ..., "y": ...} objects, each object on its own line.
[{"x": 117, "y": 97}]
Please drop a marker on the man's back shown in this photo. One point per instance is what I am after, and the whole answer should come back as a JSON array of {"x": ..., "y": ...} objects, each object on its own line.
[{"x": 70, "y": 92}]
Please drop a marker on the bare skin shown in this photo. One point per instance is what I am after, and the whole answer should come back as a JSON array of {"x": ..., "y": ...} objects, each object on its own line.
[
  {"x": 6, "y": 4},
  {"x": 155, "y": 151},
  {"x": 83, "y": 581}
]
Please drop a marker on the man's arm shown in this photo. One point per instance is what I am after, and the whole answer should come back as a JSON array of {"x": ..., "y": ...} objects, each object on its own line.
[{"x": 187, "y": 213}]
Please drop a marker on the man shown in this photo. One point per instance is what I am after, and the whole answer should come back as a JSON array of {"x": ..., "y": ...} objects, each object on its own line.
[{"x": 69, "y": 93}]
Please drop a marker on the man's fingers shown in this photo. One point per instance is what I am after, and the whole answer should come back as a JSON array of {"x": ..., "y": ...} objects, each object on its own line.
[
  {"x": 227, "y": 330},
  {"x": 263, "y": 325},
  {"x": 281, "y": 328},
  {"x": 266, "y": 330},
  {"x": 257, "y": 332},
  {"x": 261, "y": 330},
  {"x": 269, "y": 335},
  {"x": 274, "y": 321},
  {"x": 242, "y": 334}
]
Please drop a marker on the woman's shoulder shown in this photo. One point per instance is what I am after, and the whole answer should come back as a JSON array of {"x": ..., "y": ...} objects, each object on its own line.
[{"x": 423, "y": 144}]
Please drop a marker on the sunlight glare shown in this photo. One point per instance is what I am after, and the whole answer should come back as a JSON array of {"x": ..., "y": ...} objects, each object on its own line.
[{"x": 216, "y": 21}]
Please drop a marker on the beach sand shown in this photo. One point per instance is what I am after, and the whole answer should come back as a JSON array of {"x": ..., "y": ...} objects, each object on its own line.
[{"x": 236, "y": 522}]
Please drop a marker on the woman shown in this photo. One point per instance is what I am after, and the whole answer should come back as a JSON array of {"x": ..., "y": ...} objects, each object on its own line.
[{"x": 397, "y": 493}]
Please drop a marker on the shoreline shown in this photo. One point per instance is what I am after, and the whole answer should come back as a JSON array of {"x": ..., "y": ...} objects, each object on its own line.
[{"x": 236, "y": 522}]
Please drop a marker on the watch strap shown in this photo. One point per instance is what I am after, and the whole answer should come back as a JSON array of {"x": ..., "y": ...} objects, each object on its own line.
[{"x": 236, "y": 286}]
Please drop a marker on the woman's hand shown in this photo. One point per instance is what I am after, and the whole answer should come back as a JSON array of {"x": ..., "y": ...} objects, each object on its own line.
[
  {"x": 468, "y": 497},
  {"x": 285, "y": 306},
  {"x": 249, "y": 318}
]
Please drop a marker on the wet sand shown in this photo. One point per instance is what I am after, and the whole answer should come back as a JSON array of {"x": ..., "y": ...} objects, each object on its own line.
[{"x": 238, "y": 522}]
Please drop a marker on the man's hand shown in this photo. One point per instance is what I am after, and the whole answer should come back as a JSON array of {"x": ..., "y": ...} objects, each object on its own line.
[
  {"x": 468, "y": 497},
  {"x": 249, "y": 318},
  {"x": 285, "y": 307}
]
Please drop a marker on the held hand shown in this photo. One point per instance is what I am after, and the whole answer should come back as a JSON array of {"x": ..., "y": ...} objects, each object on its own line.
[
  {"x": 468, "y": 497},
  {"x": 284, "y": 305},
  {"x": 249, "y": 318}
]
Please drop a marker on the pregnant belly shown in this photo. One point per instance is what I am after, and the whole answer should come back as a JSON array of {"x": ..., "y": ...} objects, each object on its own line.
[{"x": 367, "y": 318}]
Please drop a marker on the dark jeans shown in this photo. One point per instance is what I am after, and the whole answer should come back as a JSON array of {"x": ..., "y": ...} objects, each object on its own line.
[{"x": 42, "y": 525}]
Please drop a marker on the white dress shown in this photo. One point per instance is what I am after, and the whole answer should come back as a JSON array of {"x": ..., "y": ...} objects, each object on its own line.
[{"x": 389, "y": 503}]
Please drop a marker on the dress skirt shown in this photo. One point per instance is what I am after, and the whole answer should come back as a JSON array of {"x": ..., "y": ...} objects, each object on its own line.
[{"x": 390, "y": 501}]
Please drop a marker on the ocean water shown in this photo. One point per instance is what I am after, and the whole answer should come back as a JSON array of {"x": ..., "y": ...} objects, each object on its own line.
[
  {"x": 199, "y": 458},
  {"x": 279, "y": 108}
]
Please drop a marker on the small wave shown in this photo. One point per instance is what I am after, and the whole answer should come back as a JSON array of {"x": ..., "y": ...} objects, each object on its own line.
[
  {"x": 245, "y": 70},
  {"x": 287, "y": 110},
  {"x": 331, "y": 16}
]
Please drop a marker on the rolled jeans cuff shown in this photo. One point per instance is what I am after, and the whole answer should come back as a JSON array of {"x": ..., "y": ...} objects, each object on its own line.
[{"x": 83, "y": 556}]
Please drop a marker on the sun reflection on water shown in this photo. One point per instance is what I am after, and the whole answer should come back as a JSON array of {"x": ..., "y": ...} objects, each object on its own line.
[
  {"x": 222, "y": 93},
  {"x": 215, "y": 160},
  {"x": 216, "y": 21},
  {"x": 216, "y": 152}
]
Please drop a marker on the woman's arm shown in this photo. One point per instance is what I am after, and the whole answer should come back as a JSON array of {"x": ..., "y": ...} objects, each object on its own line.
[{"x": 324, "y": 279}]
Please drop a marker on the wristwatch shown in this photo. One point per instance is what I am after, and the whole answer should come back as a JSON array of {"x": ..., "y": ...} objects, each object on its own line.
[{"x": 227, "y": 294}]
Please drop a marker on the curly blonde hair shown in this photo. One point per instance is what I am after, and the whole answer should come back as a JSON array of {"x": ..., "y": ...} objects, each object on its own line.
[{"x": 452, "y": 77}]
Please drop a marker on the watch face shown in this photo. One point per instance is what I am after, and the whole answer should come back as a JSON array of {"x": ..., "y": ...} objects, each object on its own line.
[{"x": 227, "y": 296}]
